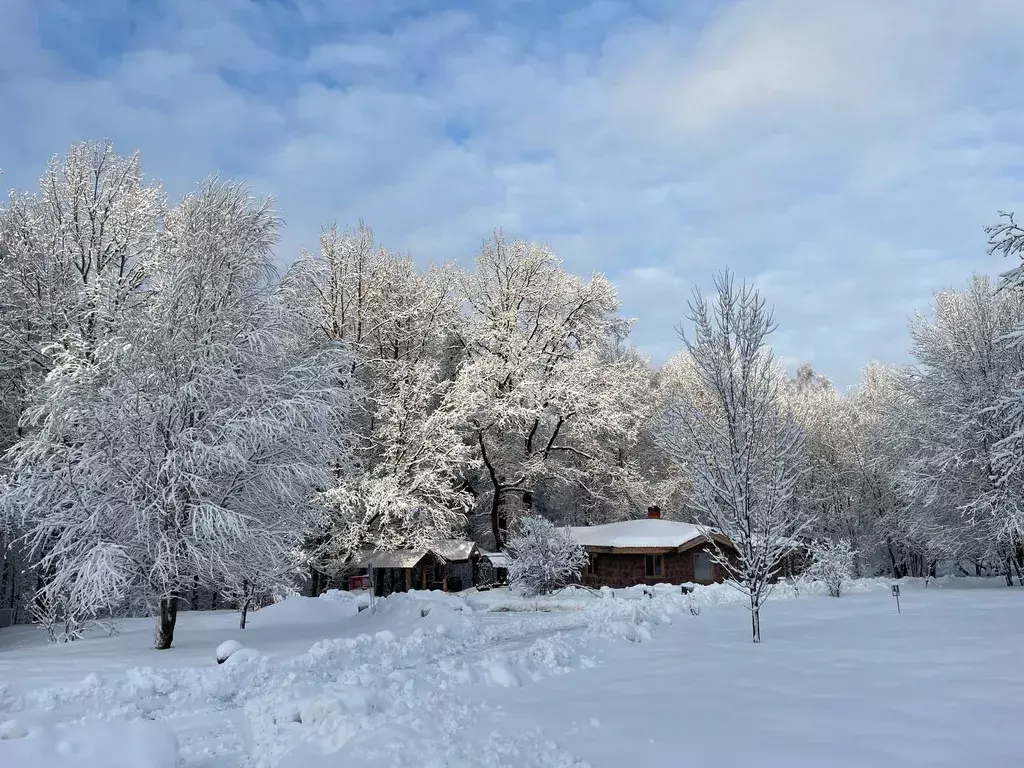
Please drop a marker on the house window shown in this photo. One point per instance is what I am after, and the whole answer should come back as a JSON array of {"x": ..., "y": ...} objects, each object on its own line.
[
  {"x": 653, "y": 566},
  {"x": 702, "y": 566},
  {"x": 591, "y": 570}
]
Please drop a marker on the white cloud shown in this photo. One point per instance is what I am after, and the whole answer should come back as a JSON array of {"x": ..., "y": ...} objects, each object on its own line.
[{"x": 843, "y": 155}]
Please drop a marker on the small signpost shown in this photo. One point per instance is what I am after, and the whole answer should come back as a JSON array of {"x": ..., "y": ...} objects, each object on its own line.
[{"x": 896, "y": 594}]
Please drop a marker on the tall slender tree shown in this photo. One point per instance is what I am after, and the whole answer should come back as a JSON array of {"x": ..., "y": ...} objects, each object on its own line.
[{"x": 743, "y": 451}]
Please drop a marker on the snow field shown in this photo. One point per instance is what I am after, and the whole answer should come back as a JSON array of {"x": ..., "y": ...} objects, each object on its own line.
[
  {"x": 134, "y": 744},
  {"x": 442, "y": 681}
]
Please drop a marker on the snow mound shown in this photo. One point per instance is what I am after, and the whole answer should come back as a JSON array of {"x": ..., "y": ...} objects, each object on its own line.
[
  {"x": 12, "y": 729},
  {"x": 326, "y": 609},
  {"x": 111, "y": 744},
  {"x": 244, "y": 656},
  {"x": 227, "y": 649},
  {"x": 379, "y": 689}
]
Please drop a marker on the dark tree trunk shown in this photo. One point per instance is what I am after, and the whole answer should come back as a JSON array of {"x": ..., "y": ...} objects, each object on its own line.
[
  {"x": 248, "y": 595},
  {"x": 1020, "y": 577},
  {"x": 755, "y": 619},
  {"x": 895, "y": 563},
  {"x": 1018, "y": 561},
  {"x": 496, "y": 529},
  {"x": 165, "y": 623}
]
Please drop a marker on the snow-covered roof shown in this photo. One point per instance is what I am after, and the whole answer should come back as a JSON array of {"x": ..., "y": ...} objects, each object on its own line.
[
  {"x": 401, "y": 558},
  {"x": 447, "y": 549},
  {"x": 497, "y": 559},
  {"x": 453, "y": 549},
  {"x": 640, "y": 534}
]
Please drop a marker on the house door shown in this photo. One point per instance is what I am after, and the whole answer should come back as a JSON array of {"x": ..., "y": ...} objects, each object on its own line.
[{"x": 702, "y": 570}]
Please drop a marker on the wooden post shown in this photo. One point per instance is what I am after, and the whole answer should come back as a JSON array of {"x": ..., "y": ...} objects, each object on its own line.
[{"x": 408, "y": 579}]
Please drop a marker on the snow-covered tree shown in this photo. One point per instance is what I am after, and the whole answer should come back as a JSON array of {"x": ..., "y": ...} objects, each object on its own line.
[
  {"x": 832, "y": 564},
  {"x": 739, "y": 442},
  {"x": 406, "y": 489},
  {"x": 545, "y": 557},
  {"x": 829, "y": 482},
  {"x": 70, "y": 257},
  {"x": 953, "y": 442},
  {"x": 185, "y": 449},
  {"x": 543, "y": 396}
]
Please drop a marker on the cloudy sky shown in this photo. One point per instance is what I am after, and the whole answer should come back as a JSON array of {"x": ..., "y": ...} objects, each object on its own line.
[{"x": 845, "y": 156}]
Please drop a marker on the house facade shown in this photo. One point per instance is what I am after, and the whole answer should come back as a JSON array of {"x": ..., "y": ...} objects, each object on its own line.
[
  {"x": 449, "y": 565},
  {"x": 651, "y": 551}
]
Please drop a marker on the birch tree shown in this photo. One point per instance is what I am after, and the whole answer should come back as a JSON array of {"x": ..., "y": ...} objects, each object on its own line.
[
  {"x": 186, "y": 449},
  {"x": 742, "y": 449}
]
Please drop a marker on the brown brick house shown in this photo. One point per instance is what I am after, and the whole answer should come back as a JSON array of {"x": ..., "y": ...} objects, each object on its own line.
[{"x": 650, "y": 551}]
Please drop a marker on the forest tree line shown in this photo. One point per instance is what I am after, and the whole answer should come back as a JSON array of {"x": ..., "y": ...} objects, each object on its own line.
[{"x": 176, "y": 411}]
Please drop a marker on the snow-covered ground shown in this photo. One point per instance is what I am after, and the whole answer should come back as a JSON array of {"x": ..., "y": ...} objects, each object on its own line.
[{"x": 490, "y": 679}]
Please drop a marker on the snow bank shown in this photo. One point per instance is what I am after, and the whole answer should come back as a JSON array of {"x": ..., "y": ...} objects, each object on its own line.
[
  {"x": 328, "y": 607},
  {"x": 135, "y": 744},
  {"x": 381, "y": 704}
]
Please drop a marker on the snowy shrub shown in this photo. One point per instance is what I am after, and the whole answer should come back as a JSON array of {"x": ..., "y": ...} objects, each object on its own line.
[
  {"x": 227, "y": 649},
  {"x": 832, "y": 564},
  {"x": 544, "y": 557}
]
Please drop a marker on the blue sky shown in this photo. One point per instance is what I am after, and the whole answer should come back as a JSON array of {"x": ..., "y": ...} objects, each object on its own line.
[{"x": 844, "y": 156}]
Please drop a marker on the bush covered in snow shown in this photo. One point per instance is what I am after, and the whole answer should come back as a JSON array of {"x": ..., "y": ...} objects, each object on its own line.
[
  {"x": 227, "y": 649},
  {"x": 832, "y": 564},
  {"x": 544, "y": 557}
]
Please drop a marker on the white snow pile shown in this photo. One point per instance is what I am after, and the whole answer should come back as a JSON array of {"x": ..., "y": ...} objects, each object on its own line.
[
  {"x": 227, "y": 649},
  {"x": 116, "y": 744},
  {"x": 379, "y": 707},
  {"x": 333, "y": 605}
]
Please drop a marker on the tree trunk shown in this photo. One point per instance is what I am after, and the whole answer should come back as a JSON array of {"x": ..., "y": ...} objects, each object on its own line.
[
  {"x": 165, "y": 623},
  {"x": 496, "y": 499},
  {"x": 755, "y": 619},
  {"x": 1020, "y": 578},
  {"x": 245, "y": 614}
]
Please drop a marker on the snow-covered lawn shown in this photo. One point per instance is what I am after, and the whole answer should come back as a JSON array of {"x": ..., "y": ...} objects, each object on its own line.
[{"x": 493, "y": 680}]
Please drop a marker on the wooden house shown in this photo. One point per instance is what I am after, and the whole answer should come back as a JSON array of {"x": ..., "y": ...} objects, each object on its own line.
[
  {"x": 650, "y": 551},
  {"x": 448, "y": 565}
]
